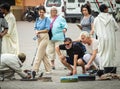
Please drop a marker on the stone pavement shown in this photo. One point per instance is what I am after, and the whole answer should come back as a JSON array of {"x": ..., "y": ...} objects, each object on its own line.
[{"x": 28, "y": 45}]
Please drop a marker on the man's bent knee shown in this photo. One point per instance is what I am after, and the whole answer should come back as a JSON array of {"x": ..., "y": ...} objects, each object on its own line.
[{"x": 80, "y": 62}]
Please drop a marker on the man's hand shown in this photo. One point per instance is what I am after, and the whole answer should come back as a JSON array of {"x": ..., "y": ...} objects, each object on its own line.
[
  {"x": 28, "y": 76},
  {"x": 87, "y": 67},
  {"x": 74, "y": 71}
]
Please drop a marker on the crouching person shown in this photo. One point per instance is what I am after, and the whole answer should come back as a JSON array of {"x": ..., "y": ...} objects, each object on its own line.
[
  {"x": 11, "y": 64},
  {"x": 91, "y": 57},
  {"x": 75, "y": 56}
]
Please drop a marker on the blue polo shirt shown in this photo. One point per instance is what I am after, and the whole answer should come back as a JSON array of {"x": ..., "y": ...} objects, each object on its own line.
[{"x": 42, "y": 24}]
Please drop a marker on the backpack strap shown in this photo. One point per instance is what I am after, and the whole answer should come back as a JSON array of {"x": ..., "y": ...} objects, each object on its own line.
[{"x": 90, "y": 18}]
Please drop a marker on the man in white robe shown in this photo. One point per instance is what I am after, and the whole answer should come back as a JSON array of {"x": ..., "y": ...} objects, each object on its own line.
[
  {"x": 3, "y": 29},
  {"x": 10, "y": 40},
  {"x": 105, "y": 27}
]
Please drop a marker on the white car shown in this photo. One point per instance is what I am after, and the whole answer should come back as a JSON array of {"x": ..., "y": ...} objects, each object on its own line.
[{"x": 73, "y": 9}]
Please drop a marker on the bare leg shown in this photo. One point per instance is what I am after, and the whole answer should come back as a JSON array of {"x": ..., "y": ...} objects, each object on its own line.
[
  {"x": 53, "y": 64},
  {"x": 83, "y": 69},
  {"x": 66, "y": 64},
  {"x": 82, "y": 64}
]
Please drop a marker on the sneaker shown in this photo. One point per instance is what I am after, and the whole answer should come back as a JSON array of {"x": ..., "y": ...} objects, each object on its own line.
[
  {"x": 41, "y": 74},
  {"x": 48, "y": 73}
]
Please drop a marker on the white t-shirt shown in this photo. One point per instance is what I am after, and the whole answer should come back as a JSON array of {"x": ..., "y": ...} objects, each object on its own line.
[{"x": 93, "y": 46}]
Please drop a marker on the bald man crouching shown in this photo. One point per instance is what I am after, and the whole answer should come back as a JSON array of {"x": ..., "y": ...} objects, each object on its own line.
[{"x": 10, "y": 64}]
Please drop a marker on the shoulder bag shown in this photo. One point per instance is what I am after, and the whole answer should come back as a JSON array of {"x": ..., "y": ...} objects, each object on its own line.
[{"x": 51, "y": 25}]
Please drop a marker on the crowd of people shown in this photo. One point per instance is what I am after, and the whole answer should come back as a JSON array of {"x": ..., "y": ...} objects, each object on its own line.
[{"x": 94, "y": 48}]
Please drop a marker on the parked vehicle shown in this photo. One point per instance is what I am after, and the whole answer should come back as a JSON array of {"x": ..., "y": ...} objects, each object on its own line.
[
  {"x": 30, "y": 14},
  {"x": 73, "y": 9},
  {"x": 96, "y": 3},
  {"x": 59, "y": 5}
]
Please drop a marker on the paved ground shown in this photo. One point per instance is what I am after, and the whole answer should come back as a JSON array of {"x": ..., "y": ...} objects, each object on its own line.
[{"x": 27, "y": 45}]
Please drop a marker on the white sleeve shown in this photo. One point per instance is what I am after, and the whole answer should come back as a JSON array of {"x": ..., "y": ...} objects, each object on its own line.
[
  {"x": 17, "y": 69},
  {"x": 116, "y": 25},
  {"x": 15, "y": 65}
]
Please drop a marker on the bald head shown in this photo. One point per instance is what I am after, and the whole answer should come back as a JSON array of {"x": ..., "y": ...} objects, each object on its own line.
[{"x": 22, "y": 57}]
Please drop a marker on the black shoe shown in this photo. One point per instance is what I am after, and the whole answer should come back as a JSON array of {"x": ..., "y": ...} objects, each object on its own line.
[
  {"x": 100, "y": 72},
  {"x": 33, "y": 74},
  {"x": 41, "y": 74}
]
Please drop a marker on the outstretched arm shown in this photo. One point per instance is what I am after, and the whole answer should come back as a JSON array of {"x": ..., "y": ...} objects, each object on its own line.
[
  {"x": 75, "y": 64},
  {"x": 59, "y": 52},
  {"x": 92, "y": 29},
  {"x": 92, "y": 58}
]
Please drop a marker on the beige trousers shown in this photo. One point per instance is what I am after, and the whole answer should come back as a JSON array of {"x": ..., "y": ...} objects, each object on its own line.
[
  {"x": 41, "y": 53},
  {"x": 51, "y": 49}
]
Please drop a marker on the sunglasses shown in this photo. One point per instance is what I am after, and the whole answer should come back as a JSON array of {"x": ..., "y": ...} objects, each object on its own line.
[{"x": 67, "y": 44}]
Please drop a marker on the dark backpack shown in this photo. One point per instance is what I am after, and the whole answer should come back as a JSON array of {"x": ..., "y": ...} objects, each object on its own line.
[{"x": 83, "y": 48}]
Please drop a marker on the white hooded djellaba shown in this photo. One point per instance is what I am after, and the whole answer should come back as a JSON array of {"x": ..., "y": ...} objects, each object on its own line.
[
  {"x": 10, "y": 42},
  {"x": 105, "y": 27}
]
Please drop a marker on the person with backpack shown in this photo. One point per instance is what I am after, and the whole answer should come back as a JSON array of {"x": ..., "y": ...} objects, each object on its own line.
[
  {"x": 86, "y": 23},
  {"x": 75, "y": 52},
  {"x": 58, "y": 28},
  {"x": 42, "y": 26}
]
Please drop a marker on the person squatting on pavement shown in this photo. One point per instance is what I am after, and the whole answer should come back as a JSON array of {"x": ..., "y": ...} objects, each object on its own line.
[
  {"x": 3, "y": 29},
  {"x": 91, "y": 44},
  {"x": 10, "y": 64},
  {"x": 10, "y": 42},
  {"x": 105, "y": 27},
  {"x": 74, "y": 56},
  {"x": 59, "y": 27},
  {"x": 42, "y": 26}
]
